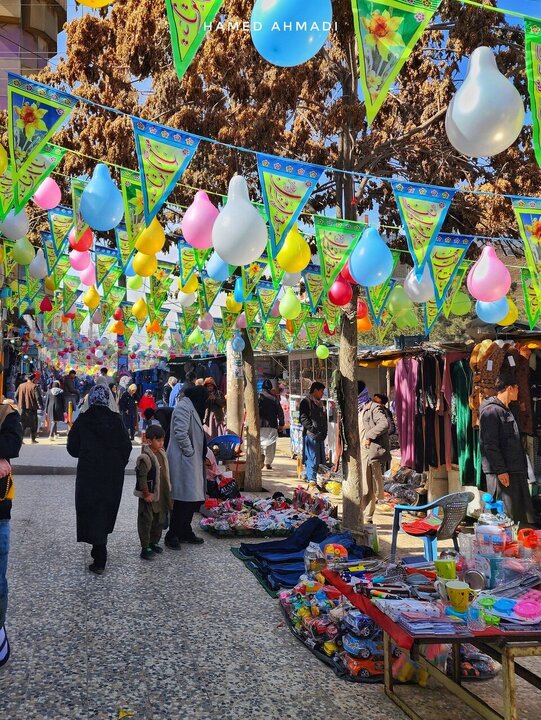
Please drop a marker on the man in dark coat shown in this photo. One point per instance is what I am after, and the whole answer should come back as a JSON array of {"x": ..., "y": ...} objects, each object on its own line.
[
  {"x": 271, "y": 416},
  {"x": 99, "y": 440},
  {"x": 502, "y": 453},
  {"x": 54, "y": 407},
  {"x": 71, "y": 393},
  {"x": 374, "y": 434},
  {"x": 29, "y": 401},
  {"x": 313, "y": 417}
]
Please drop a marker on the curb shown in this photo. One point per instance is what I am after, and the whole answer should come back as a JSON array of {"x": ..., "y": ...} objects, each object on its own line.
[{"x": 42, "y": 470}]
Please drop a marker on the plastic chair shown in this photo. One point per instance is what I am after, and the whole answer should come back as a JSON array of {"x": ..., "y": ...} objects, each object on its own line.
[
  {"x": 227, "y": 445},
  {"x": 453, "y": 507}
]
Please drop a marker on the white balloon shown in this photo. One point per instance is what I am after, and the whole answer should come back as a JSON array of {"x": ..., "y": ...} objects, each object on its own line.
[
  {"x": 15, "y": 226},
  {"x": 186, "y": 299},
  {"x": 291, "y": 279},
  {"x": 239, "y": 234},
  {"x": 486, "y": 114},
  {"x": 419, "y": 291},
  {"x": 99, "y": 353},
  {"x": 38, "y": 266}
]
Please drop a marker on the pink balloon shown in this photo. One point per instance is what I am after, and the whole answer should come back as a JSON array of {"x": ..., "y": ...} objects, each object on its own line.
[
  {"x": 198, "y": 221},
  {"x": 206, "y": 321},
  {"x": 340, "y": 292},
  {"x": 489, "y": 280},
  {"x": 88, "y": 275},
  {"x": 48, "y": 195},
  {"x": 275, "y": 310},
  {"x": 241, "y": 321},
  {"x": 79, "y": 260}
]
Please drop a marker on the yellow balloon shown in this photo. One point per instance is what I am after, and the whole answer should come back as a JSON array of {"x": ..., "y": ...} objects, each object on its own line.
[
  {"x": 91, "y": 298},
  {"x": 192, "y": 283},
  {"x": 232, "y": 305},
  {"x": 512, "y": 315},
  {"x": 295, "y": 254},
  {"x": 152, "y": 239},
  {"x": 3, "y": 160},
  {"x": 95, "y": 3},
  {"x": 140, "y": 309},
  {"x": 2, "y": 254},
  {"x": 49, "y": 283},
  {"x": 145, "y": 265}
]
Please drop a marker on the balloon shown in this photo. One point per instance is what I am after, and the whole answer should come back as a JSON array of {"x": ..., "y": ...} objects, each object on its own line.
[
  {"x": 91, "y": 298},
  {"x": 206, "y": 321},
  {"x": 362, "y": 309},
  {"x": 489, "y": 279},
  {"x": 99, "y": 353},
  {"x": 128, "y": 270},
  {"x": 15, "y": 226},
  {"x": 364, "y": 324},
  {"x": 322, "y": 352},
  {"x": 139, "y": 310},
  {"x": 145, "y": 265},
  {"x": 232, "y": 305},
  {"x": 49, "y": 284},
  {"x": 461, "y": 304},
  {"x": 419, "y": 291},
  {"x": 486, "y": 114},
  {"x": 371, "y": 261},
  {"x": 238, "y": 291},
  {"x": 186, "y": 299},
  {"x": 291, "y": 279},
  {"x": 327, "y": 330},
  {"x": 295, "y": 253},
  {"x": 238, "y": 343},
  {"x": 407, "y": 319},
  {"x": 290, "y": 306},
  {"x": 152, "y": 239},
  {"x": 198, "y": 221},
  {"x": 492, "y": 312},
  {"x": 340, "y": 292},
  {"x": 45, "y": 305},
  {"x": 84, "y": 242},
  {"x": 135, "y": 282},
  {"x": 102, "y": 206},
  {"x": 23, "y": 251},
  {"x": 192, "y": 283},
  {"x": 275, "y": 309},
  {"x": 95, "y": 3},
  {"x": 118, "y": 328},
  {"x": 88, "y": 275},
  {"x": 512, "y": 315},
  {"x": 48, "y": 195},
  {"x": 38, "y": 266},
  {"x": 241, "y": 321},
  {"x": 118, "y": 315},
  {"x": 3, "y": 160},
  {"x": 239, "y": 234},
  {"x": 290, "y": 32},
  {"x": 79, "y": 260},
  {"x": 398, "y": 301},
  {"x": 196, "y": 337},
  {"x": 217, "y": 269},
  {"x": 346, "y": 274}
]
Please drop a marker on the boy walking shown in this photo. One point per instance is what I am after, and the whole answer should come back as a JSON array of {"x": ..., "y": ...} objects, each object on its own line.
[{"x": 154, "y": 492}]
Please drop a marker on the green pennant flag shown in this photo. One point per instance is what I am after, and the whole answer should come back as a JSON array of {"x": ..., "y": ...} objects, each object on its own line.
[
  {"x": 49, "y": 251},
  {"x": 22, "y": 292},
  {"x": 61, "y": 268},
  {"x": 335, "y": 239},
  {"x": 288, "y": 337},
  {"x": 70, "y": 292},
  {"x": 134, "y": 204},
  {"x": 80, "y": 316},
  {"x": 455, "y": 286},
  {"x": 186, "y": 260},
  {"x": 124, "y": 245},
  {"x": 188, "y": 24},
  {"x": 383, "y": 329},
  {"x": 298, "y": 322},
  {"x": 444, "y": 260},
  {"x": 386, "y": 31},
  {"x": 9, "y": 262},
  {"x": 6, "y": 193},
  {"x": 331, "y": 313},
  {"x": 35, "y": 113},
  {"x": 230, "y": 321},
  {"x": 255, "y": 334},
  {"x": 188, "y": 319},
  {"x": 313, "y": 327},
  {"x": 160, "y": 283},
  {"x": 275, "y": 270},
  {"x": 431, "y": 313},
  {"x": 313, "y": 282},
  {"x": 106, "y": 259},
  {"x": 111, "y": 279},
  {"x": 129, "y": 328},
  {"x": 33, "y": 285},
  {"x": 41, "y": 166},
  {"x": 252, "y": 274},
  {"x": 210, "y": 289},
  {"x": 77, "y": 187},
  {"x": 218, "y": 328},
  {"x": 528, "y": 214},
  {"x": 532, "y": 37},
  {"x": 270, "y": 328},
  {"x": 201, "y": 257},
  {"x": 531, "y": 298},
  {"x": 251, "y": 311},
  {"x": 266, "y": 296},
  {"x": 56, "y": 301},
  {"x": 114, "y": 301},
  {"x": 60, "y": 224},
  {"x": 127, "y": 309},
  {"x": 378, "y": 295}
]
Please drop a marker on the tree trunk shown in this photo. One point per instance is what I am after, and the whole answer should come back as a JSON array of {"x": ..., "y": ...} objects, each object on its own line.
[
  {"x": 235, "y": 390},
  {"x": 252, "y": 481}
]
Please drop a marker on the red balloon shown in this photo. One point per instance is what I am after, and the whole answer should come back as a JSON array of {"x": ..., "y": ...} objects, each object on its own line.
[
  {"x": 133, "y": 356},
  {"x": 340, "y": 292},
  {"x": 46, "y": 305},
  {"x": 85, "y": 241},
  {"x": 118, "y": 314},
  {"x": 362, "y": 309},
  {"x": 327, "y": 329},
  {"x": 346, "y": 274}
]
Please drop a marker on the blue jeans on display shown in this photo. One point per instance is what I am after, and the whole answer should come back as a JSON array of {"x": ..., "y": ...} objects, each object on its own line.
[
  {"x": 4, "y": 551},
  {"x": 313, "y": 456}
]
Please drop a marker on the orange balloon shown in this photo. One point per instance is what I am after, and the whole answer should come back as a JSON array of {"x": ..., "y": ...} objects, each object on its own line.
[
  {"x": 364, "y": 324},
  {"x": 289, "y": 326}
]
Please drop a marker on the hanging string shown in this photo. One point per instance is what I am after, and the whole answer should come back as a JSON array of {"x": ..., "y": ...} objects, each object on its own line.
[{"x": 502, "y": 11}]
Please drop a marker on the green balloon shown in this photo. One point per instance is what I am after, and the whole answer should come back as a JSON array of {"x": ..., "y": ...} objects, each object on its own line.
[
  {"x": 407, "y": 319},
  {"x": 290, "y": 306},
  {"x": 461, "y": 304},
  {"x": 322, "y": 351},
  {"x": 195, "y": 337},
  {"x": 135, "y": 282},
  {"x": 398, "y": 301},
  {"x": 23, "y": 251}
]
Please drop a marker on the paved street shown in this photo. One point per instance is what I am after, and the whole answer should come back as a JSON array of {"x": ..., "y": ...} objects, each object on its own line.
[{"x": 191, "y": 635}]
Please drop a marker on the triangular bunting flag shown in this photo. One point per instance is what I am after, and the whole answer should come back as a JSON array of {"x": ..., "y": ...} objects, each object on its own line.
[
  {"x": 160, "y": 283},
  {"x": 331, "y": 313},
  {"x": 201, "y": 257},
  {"x": 77, "y": 187},
  {"x": 275, "y": 270},
  {"x": 270, "y": 327},
  {"x": 298, "y": 322},
  {"x": 22, "y": 291},
  {"x": 266, "y": 295},
  {"x": 386, "y": 32},
  {"x": 218, "y": 328},
  {"x": 252, "y": 274},
  {"x": 531, "y": 299},
  {"x": 455, "y": 286},
  {"x": 335, "y": 240},
  {"x": 35, "y": 113},
  {"x": 124, "y": 245},
  {"x": 313, "y": 282},
  {"x": 110, "y": 280},
  {"x": 163, "y": 154},
  {"x": 134, "y": 204},
  {"x": 313, "y": 328},
  {"x": 229, "y": 320},
  {"x": 255, "y": 334},
  {"x": 286, "y": 186},
  {"x": 50, "y": 251},
  {"x": 186, "y": 260},
  {"x": 60, "y": 223},
  {"x": 80, "y": 316},
  {"x": 444, "y": 260},
  {"x": 528, "y": 214},
  {"x": 431, "y": 313},
  {"x": 188, "y": 23},
  {"x": 33, "y": 285},
  {"x": 106, "y": 259},
  {"x": 40, "y": 168},
  {"x": 129, "y": 328},
  {"x": 188, "y": 319},
  {"x": 422, "y": 210},
  {"x": 114, "y": 301},
  {"x": 70, "y": 291},
  {"x": 9, "y": 262},
  {"x": 378, "y": 295},
  {"x": 6, "y": 193},
  {"x": 251, "y": 310},
  {"x": 288, "y": 337},
  {"x": 532, "y": 36},
  {"x": 61, "y": 268},
  {"x": 210, "y": 289}
]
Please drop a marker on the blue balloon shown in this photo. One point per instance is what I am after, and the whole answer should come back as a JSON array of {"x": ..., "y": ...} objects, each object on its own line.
[
  {"x": 371, "y": 261},
  {"x": 238, "y": 292},
  {"x": 128, "y": 270},
  {"x": 238, "y": 343},
  {"x": 217, "y": 269},
  {"x": 102, "y": 207},
  {"x": 492, "y": 312},
  {"x": 290, "y": 32}
]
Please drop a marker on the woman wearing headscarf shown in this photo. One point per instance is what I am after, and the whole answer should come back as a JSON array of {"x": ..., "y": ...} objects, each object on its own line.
[
  {"x": 214, "y": 420},
  {"x": 100, "y": 442},
  {"x": 128, "y": 410},
  {"x": 186, "y": 454},
  {"x": 54, "y": 407}
]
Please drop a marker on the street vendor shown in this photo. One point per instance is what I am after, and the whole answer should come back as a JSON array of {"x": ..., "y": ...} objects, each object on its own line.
[
  {"x": 313, "y": 417},
  {"x": 502, "y": 453}
]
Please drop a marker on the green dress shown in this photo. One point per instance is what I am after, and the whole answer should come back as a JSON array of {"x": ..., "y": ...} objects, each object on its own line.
[{"x": 469, "y": 454}]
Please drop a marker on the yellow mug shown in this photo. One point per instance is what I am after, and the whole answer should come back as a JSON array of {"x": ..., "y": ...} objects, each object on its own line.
[
  {"x": 445, "y": 569},
  {"x": 460, "y": 595}
]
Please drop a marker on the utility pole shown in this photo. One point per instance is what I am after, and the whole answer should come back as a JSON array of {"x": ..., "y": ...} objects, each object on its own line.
[{"x": 235, "y": 390}]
